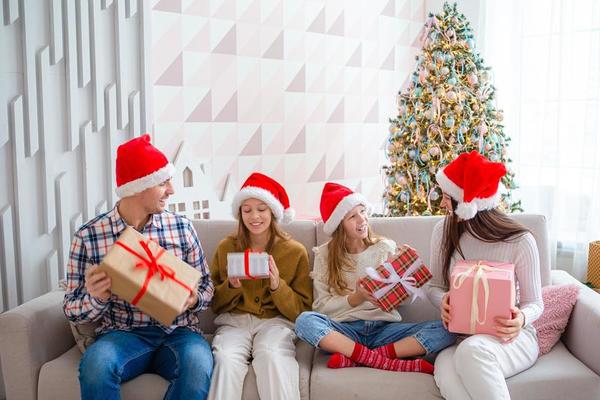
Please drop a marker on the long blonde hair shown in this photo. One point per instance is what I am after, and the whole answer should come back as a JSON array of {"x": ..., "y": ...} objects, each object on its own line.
[
  {"x": 338, "y": 260},
  {"x": 242, "y": 237}
]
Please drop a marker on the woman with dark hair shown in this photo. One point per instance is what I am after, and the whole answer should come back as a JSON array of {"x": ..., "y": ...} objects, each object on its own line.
[
  {"x": 346, "y": 320},
  {"x": 256, "y": 316},
  {"x": 475, "y": 229}
]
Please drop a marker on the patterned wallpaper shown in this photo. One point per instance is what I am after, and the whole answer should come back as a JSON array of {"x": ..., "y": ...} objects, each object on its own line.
[{"x": 300, "y": 90}]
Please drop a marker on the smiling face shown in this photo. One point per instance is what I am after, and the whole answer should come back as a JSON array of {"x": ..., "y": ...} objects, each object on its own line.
[
  {"x": 154, "y": 200},
  {"x": 356, "y": 223},
  {"x": 256, "y": 216}
]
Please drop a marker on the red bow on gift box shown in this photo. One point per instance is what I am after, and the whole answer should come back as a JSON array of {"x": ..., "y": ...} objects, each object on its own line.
[{"x": 153, "y": 268}]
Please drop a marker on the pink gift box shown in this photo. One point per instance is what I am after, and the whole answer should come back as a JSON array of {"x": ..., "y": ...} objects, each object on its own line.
[{"x": 470, "y": 311}]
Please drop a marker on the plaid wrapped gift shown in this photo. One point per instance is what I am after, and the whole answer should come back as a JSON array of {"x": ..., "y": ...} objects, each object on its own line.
[{"x": 393, "y": 282}]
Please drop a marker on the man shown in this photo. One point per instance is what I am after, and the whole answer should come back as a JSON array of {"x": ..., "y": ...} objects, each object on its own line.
[{"x": 130, "y": 342}]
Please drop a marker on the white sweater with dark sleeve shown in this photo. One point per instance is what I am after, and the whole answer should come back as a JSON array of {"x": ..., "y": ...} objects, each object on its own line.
[{"x": 522, "y": 252}]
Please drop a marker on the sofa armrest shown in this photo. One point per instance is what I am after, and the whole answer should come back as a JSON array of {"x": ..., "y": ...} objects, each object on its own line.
[
  {"x": 31, "y": 335},
  {"x": 584, "y": 324}
]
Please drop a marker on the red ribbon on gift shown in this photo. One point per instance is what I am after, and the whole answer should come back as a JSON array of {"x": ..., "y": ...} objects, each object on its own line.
[
  {"x": 247, "y": 264},
  {"x": 153, "y": 268}
]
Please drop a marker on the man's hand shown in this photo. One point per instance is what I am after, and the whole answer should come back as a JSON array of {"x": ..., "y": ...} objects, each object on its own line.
[
  {"x": 191, "y": 301},
  {"x": 97, "y": 283}
]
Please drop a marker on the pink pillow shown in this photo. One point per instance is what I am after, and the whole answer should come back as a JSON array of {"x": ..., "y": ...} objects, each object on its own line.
[{"x": 558, "y": 304}]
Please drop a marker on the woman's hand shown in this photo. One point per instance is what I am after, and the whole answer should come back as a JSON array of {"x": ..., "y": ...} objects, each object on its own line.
[
  {"x": 273, "y": 274},
  {"x": 446, "y": 310},
  {"x": 360, "y": 295},
  {"x": 509, "y": 329}
]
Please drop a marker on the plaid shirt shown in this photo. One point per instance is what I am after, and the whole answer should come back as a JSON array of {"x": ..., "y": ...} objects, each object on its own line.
[{"x": 91, "y": 243}]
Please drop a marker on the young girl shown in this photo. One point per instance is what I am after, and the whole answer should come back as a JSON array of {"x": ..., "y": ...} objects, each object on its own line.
[
  {"x": 256, "y": 316},
  {"x": 346, "y": 320},
  {"x": 476, "y": 230}
]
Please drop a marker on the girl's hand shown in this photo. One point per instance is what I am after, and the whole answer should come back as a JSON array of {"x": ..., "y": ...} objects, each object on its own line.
[
  {"x": 509, "y": 329},
  {"x": 273, "y": 274},
  {"x": 360, "y": 295},
  {"x": 235, "y": 283},
  {"x": 446, "y": 310}
]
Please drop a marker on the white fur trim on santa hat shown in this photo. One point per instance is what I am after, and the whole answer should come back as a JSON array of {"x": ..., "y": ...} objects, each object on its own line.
[
  {"x": 288, "y": 215},
  {"x": 466, "y": 210},
  {"x": 449, "y": 187},
  {"x": 253, "y": 192},
  {"x": 343, "y": 208},
  {"x": 146, "y": 182}
]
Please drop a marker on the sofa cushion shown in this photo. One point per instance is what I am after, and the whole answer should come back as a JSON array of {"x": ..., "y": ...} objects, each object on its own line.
[
  {"x": 556, "y": 375},
  {"x": 368, "y": 383},
  {"x": 59, "y": 378},
  {"x": 558, "y": 304},
  {"x": 84, "y": 334}
]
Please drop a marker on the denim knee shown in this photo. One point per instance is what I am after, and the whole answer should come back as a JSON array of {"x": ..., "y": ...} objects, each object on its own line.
[
  {"x": 434, "y": 337},
  {"x": 312, "y": 326},
  {"x": 99, "y": 366}
]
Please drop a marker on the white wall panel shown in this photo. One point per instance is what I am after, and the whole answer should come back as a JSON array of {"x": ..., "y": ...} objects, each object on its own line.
[
  {"x": 83, "y": 43},
  {"x": 11, "y": 9},
  {"x": 30, "y": 104},
  {"x": 56, "y": 38},
  {"x": 58, "y": 89}
]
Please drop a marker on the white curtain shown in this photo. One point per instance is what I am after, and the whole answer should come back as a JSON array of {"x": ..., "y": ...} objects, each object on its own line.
[{"x": 545, "y": 56}]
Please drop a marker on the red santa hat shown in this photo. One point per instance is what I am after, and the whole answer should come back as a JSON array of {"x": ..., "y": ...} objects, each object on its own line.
[
  {"x": 336, "y": 201},
  {"x": 140, "y": 166},
  {"x": 472, "y": 180},
  {"x": 267, "y": 190}
]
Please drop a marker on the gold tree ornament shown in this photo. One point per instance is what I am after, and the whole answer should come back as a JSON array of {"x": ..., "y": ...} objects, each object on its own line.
[{"x": 446, "y": 107}]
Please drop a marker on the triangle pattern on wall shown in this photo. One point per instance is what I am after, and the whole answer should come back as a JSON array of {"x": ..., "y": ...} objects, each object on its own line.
[
  {"x": 203, "y": 111},
  {"x": 173, "y": 76}
]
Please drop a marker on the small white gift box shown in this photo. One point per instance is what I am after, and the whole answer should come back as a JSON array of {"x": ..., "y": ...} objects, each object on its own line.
[{"x": 248, "y": 265}]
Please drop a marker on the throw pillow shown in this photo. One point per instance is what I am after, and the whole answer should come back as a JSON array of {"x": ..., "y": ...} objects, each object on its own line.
[
  {"x": 558, "y": 304},
  {"x": 84, "y": 334}
]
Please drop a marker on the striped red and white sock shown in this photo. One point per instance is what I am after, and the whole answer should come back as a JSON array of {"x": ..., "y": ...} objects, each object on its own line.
[
  {"x": 338, "y": 360},
  {"x": 374, "y": 359}
]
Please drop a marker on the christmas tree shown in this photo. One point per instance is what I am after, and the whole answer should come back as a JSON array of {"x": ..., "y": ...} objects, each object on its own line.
[{"x": 446, "y": 108}]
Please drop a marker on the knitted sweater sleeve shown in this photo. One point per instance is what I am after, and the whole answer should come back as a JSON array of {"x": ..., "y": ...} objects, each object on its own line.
[
  {"x": 295, "y": 296},
  {"x": 527, "y": 273},
  {"x": 436, "y": 289},
  {"x": 326, "y": 301}
]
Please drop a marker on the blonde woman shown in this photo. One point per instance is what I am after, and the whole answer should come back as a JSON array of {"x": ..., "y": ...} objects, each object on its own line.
[
  {"x": 346, "y": 320},
  {"x": 256, "y": 317}
]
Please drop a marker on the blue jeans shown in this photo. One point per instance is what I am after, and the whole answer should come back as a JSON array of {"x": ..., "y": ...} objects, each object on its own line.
[
  {"x": 312, "y": 327},
  {"x": 182, "y": 357}
]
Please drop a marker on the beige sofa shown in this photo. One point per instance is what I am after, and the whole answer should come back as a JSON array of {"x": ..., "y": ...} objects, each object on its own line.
[{"x": 40, "y": 359}]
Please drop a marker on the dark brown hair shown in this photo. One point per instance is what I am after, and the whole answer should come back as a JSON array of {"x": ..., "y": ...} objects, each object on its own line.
[{"x": 489, "y": 226}]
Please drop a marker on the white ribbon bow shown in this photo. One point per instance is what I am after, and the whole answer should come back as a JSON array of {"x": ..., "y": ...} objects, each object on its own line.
[
  {"x": 408, "y": 282},
  {"x": 480, "y": 271}
]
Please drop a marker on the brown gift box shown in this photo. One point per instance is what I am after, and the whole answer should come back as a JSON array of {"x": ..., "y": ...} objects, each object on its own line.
[
  {"x": 593, "y": 272},
  {"x": 153, "y": 279}
]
